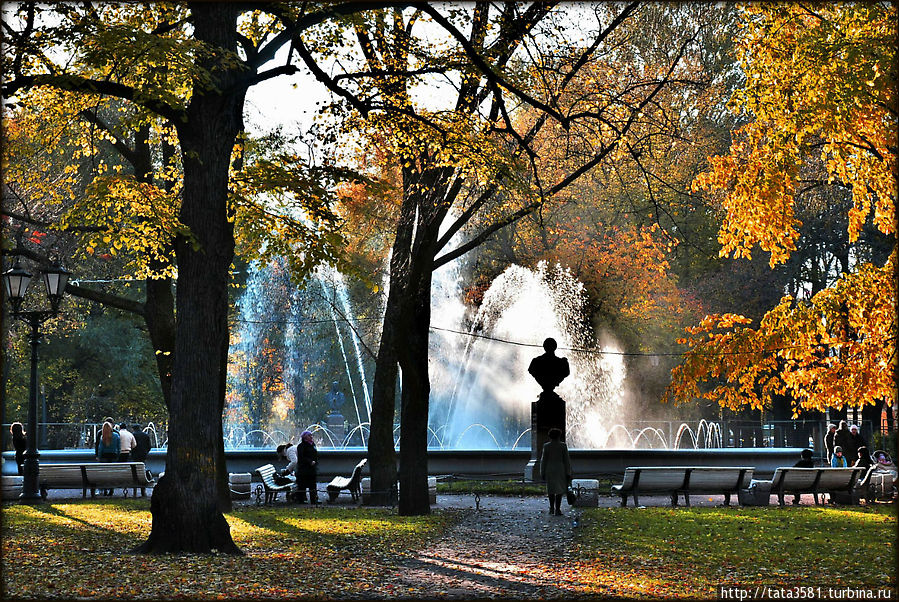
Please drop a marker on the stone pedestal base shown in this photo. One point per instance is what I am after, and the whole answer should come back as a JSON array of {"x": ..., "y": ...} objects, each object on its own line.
[
  {"x": 539, "y": 438},
  {"x": 337, "y": 425}
]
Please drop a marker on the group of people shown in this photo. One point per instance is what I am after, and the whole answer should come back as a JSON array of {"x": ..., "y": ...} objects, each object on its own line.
[
  {"x": 117, "y": 444},
  {"x": 302, "y": 463},
  {"x": 846, "y": 446}
]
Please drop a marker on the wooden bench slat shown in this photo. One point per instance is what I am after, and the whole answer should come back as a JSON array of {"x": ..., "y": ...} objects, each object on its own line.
[
  {"x": 353, "y": 483},
  {"x": 675, "y": 480},
  {"x": 94, "y": 475}
]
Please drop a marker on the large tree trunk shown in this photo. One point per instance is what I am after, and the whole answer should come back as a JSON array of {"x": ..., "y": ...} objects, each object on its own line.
[
  {"x": 159, "y": 315},
  {"x": 415, "y": 399},
  {"x": 381, "y": 452},
  {"x": 404, "y": 341},
  {"x": 185, "y": 503}
]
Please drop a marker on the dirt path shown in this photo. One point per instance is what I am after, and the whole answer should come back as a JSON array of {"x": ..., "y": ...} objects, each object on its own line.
[{"x": 509, "y": 548}]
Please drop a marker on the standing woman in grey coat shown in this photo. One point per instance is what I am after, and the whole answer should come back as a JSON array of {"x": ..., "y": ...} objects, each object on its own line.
[{"x": 555, "y": 469}]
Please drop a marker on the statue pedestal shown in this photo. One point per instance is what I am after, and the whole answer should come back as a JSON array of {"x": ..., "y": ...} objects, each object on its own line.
[
  {"x": 540, "y": 425},
  {"x": 337, "y": 425},
  {"x": 538, "y": 438}
]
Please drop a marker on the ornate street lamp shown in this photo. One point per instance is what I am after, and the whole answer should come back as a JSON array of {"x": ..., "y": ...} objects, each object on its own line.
[{"x": 16, "y": 282}]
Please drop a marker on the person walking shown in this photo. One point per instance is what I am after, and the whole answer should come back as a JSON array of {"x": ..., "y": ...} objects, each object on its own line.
[
  {"x": 19, "y": 443},
  {"x": 555, "y": 469},
  {"x": 307, "y": 467}
]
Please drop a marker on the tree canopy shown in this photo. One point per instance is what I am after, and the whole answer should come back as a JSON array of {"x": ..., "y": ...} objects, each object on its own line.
[{"x": 819, "y": 97}]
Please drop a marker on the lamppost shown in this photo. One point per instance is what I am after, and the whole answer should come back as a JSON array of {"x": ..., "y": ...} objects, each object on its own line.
[{"x": 16, "y": 281}]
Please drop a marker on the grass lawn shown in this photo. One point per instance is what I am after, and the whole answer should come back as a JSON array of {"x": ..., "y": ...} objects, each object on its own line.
[
  {"x": 79, "y": 550},
  {"x": 689, "y": 552},
  {"x": 498, "y": 487}
]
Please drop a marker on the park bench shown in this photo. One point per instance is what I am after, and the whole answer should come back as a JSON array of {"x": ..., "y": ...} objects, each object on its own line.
[
  {"x": 353, "y": 483},
  {"x": 677, "y": 480},
  {"x": 93, "y": 476},
  {"x": 268, "y": 487},
  {"x": 789, "y": 480},
  {"x": 12, "y": 486}
]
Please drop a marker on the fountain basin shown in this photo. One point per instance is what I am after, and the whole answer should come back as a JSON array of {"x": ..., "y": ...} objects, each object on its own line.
[{"x": 480, "y": 464}]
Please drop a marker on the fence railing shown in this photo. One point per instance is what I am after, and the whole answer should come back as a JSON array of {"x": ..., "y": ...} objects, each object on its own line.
[{"x": 69, "y": 435}]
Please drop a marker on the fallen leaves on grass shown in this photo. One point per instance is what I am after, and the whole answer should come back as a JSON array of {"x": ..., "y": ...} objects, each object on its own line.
[
  {"x": 690, "y": 552},
  {"x": 79, "y": 550}
]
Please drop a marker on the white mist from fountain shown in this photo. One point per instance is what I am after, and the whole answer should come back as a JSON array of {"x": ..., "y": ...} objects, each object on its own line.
[
  {"x": 481, "y": 392},
  {"x": 305, "y": 314}
]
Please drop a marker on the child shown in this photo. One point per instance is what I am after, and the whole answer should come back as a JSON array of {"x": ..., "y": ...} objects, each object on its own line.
[{"x": 838, "y": 461}]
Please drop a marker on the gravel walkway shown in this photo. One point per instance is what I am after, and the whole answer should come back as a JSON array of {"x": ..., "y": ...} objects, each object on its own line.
[{"x": 508, "y": 547}]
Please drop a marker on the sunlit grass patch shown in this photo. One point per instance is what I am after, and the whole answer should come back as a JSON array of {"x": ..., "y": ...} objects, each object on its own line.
[
  {"x": 81, "y": 550},
  {"x": 691, "y": 551}
]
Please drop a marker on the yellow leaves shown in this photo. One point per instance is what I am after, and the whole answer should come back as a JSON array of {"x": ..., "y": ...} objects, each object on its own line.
[
  {"x": 808, "y": 81},
  {"x": 832, "y": 351}
]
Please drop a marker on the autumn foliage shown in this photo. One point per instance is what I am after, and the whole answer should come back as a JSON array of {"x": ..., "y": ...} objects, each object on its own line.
[{"x": 820, "y": 93}]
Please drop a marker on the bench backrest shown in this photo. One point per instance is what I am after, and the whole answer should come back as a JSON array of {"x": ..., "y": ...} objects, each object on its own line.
[
  {"x": 701, "y": 477},
  {"x": 60, "y": 475},
  {"x": 94, "y": 474},
  {"x": 723, "y": 477},
  {"x": 822, "y": 479},
  {"x": 267, "y": 474},
  {"x": 116, "y": 473},
  {"x": 840, "y": 478},
  {"x": 654, "y": 477},
  {"x": 356, "y": 477}
]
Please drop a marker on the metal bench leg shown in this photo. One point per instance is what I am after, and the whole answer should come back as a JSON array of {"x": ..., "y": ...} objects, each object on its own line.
[
  {"x": 780, "y": 499},
  {"x": 687, "y": 499},
  {"x": 727, "y": 499},
  {"x": 624, "y": 501},
  {"x": 636, "y": 501},
  {"x": 673, "y": 500}
]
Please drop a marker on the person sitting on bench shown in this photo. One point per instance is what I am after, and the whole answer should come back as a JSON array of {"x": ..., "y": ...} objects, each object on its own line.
[{"x": 288, "y": 451}]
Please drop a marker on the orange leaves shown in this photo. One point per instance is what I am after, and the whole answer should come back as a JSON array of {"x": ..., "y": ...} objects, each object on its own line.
[
  {"x": 815, "y": 84},
  {"x": 837, "y": 349}
]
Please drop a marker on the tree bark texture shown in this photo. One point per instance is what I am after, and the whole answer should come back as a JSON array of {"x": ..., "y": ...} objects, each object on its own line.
[
  {"x": 185, "y": 505},
  {"x": 404, "y": 343}
]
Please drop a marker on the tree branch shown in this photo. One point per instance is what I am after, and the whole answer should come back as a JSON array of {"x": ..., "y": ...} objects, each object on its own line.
[
  {"x": 494, "y": 77},
  {"x": 106, "y": 299},
  {"x": 75, "y": 83}
]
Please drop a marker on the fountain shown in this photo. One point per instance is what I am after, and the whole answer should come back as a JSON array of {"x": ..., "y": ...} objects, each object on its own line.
[
  {"x": 479, "y": 375},
  {"x": 282, "y": 361},
  {"x": 481, "y": 393}
]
